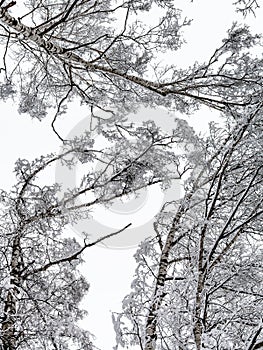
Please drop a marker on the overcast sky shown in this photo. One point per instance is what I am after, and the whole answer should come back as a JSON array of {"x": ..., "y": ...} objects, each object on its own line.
[{"x": 110, "y": 271}]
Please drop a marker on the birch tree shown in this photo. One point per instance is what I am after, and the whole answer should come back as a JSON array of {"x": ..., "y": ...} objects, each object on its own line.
[
  {"x": 57, "y": 51},
  {"x": 199, "y": 281},
  {"x": 41, "y": 287}
]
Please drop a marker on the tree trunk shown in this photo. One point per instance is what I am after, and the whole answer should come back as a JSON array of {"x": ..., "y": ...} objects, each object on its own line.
[
  {"x": 198, "y": 327},
  {"x": 151, "y": 322},
  {"x": 9, "y": 338}
]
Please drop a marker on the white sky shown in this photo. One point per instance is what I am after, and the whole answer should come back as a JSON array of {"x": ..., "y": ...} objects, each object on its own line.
[{"x": 110, "y": 271}]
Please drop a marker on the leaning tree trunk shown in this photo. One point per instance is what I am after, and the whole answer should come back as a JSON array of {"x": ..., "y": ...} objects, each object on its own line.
[{"x": 159, "y": 294}]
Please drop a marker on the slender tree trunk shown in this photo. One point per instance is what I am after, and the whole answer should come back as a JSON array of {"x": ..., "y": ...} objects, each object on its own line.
[
  {"x": 8, "y": 324},
  {"x": 198, "y": 327},
  {"x": 151, "y": 322},
  {"x": 9, "y": 338}
]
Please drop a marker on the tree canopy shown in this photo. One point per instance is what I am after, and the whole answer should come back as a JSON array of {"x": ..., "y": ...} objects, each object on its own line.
[
  {"x": 55, "y": 51},
  {"x": 198, "y": 282}
]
